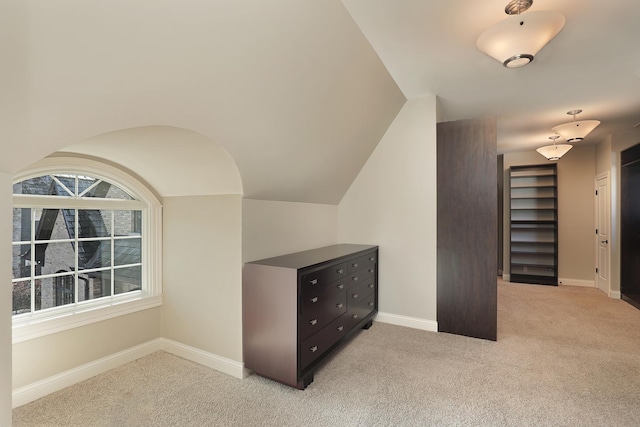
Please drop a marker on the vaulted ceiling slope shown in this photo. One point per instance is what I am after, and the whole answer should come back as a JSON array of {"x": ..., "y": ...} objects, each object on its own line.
[
  {"x": 592, "y": 64},
  {"x": 291, "y": 89}
]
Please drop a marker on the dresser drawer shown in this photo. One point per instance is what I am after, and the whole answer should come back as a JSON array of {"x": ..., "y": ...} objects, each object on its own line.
[
  {"x": 314, "y": 279},
  {"x": 308, "y": 293},
  {"x": 314, "y": 318},
  {"x": 358, "y": 293},
  {"x": 359, "y": 276},
  {"x": 360, "y": 311},
  {"x": 318, "y": 296},
  {"x": 318, "y": 343},
  {"x": 366, "y": 261}
]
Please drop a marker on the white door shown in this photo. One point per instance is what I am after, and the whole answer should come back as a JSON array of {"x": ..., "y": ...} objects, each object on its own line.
[{"x": 603, "y": 232}]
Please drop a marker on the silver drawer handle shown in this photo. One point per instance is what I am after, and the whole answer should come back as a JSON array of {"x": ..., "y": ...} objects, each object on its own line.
[
  {"x": 340, "y": 271},
  {"x": 355, "y": 316},
  {"x": 339, "y": 305},
  {"x": 371, "y": 285},
  {"x": 355, "y": 265},
  {"x": 354, "y": 278},
  {"x": 313, "y": 282},
  {"x": 313, "y": 321},
  {"x": 314, "y": 300},
  {"x": 371, "y": 304},
  {"x": 340, "y": 328},
  {"x": 354, "y": 296},
  {"x": 372, "y": 259},
  {"x": 340, "y": 286},
  {"x": 313, "y": 349},
  {"x": 371, "y": 270}
]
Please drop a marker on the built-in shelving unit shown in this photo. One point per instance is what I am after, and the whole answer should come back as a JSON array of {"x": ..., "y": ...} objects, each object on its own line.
[{"x": 534, "y": 224}]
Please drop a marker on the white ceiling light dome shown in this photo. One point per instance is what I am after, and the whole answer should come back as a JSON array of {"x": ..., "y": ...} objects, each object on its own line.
[
  {"x": 576, "y": 130},
  {"x": 555, "y": 151},
  {"x": 515, "y": 41}
]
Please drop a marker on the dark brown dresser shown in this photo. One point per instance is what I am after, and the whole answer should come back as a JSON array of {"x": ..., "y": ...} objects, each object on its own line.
[{"x": 299, "y": 307}]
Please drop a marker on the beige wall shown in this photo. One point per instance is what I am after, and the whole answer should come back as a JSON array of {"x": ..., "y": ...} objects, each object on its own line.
[
  {"x": 5, "y": 298},
  {"x": 74, "y": 347},
  {"x": 202, "y": 273},
  {"x": 576, "y": 215},
  {"x": 603, "y": 156},
  {"x": 392, "y": 203},
  {"x": 14, "y": 115},
  {"x": 576, "y": 211},
  {"x": 275, "y": 228}
]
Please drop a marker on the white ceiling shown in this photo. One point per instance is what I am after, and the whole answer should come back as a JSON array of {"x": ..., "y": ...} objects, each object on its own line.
[
  {"x": 300, "y": 92},
  {"x": 593, "y": 64}
]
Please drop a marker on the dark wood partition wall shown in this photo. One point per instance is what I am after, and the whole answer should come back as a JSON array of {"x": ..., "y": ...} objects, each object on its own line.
[
  {"x": 630, "y": 225},
  {"x": 500, "y": 189},
  {"x": 467, "y": 228}
]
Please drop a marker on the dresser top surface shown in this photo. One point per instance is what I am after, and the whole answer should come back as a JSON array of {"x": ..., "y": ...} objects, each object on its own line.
[{"x": 314, "y": 256}]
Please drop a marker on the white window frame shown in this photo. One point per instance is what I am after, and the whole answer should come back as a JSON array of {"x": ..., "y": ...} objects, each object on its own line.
[{"x": 28, "y": 326}]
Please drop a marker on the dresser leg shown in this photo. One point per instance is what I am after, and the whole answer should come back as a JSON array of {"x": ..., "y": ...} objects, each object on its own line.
[
  {"x": 305, "y": 381},
  {"x": 368, "y": 324}
]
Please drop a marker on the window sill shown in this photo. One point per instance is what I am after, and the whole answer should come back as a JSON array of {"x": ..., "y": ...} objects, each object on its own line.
[{"x": 29, "y": 328}]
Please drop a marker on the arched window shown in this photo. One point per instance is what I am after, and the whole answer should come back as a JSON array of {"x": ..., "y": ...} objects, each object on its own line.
[{"x": 85, "y": 242}]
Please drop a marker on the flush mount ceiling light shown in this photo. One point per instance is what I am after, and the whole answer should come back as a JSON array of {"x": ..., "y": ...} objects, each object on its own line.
[
  {"x": 516, "y": 40},
  {"x": 554, "y": 152},
  {"x": 576, "y": 131}
]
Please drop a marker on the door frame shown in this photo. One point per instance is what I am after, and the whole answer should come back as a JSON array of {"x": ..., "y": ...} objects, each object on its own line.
[{"x": 605, "y": 175}]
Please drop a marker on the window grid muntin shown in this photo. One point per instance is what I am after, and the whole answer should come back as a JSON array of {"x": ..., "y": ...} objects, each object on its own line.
[
  {"x": 89, "y": 188},
  {"x": 63, "y": 185},
  {"x": 39, "y": 242}
]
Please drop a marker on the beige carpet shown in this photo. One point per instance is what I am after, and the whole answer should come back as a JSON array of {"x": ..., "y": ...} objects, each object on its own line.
[{"x": 564, "y": 357}]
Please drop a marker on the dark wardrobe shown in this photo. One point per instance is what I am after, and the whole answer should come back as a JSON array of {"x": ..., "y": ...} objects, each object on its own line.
[{"x": 630, "y": 225}]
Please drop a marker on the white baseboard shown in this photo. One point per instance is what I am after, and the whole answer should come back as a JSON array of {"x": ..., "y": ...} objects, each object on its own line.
[
  {"x": 38, "y": 389},
  {"x": 210, "y": 360},
  {"x": 506, "y": 277},
  {"x": 615, "y": 294},
  {"x": 575, "y": 282},
  {"x": 409, "y": 322}
]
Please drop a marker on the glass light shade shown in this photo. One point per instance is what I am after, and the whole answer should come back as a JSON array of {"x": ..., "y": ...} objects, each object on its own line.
[
  {"x": 554, "y": 152},
  {"x": 576, "y": 131},
  {"x": 516, "y": 40}
]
